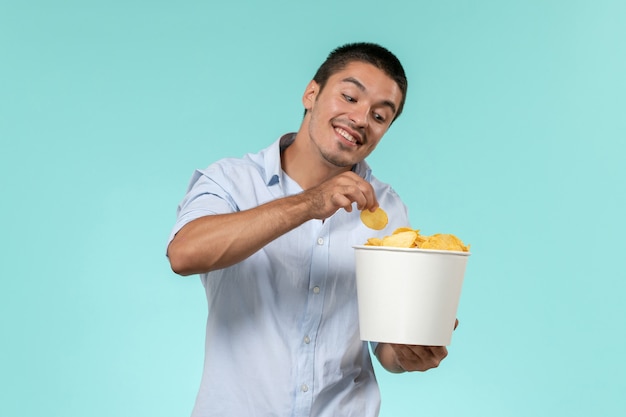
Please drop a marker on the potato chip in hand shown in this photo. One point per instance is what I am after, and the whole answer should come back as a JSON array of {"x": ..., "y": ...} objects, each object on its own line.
[{"x": 376, "y": 220}]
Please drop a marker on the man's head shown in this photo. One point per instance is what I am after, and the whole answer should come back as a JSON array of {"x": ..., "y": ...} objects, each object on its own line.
[
  {"x": 369, "y": 53},
  {"x": 346, "y": 119}
]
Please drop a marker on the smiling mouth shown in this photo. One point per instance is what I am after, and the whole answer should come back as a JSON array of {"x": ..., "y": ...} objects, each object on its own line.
[{"x": 347, "y": 136}]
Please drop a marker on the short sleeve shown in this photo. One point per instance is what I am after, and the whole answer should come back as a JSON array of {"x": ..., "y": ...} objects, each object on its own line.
[{"x": 204, "y": 197}]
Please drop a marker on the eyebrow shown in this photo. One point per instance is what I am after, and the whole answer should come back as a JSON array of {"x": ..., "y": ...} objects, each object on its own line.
[{"x": 361, "y": 87}]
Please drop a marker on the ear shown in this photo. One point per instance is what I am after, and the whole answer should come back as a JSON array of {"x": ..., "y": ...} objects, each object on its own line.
[{"x": 310, "y": 95}]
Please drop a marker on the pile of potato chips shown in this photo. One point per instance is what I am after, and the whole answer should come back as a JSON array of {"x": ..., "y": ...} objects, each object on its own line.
[{"x": 406, "y": 237}]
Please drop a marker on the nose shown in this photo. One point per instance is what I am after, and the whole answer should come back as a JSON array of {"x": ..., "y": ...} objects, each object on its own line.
[{"x": 360, "y": 115}]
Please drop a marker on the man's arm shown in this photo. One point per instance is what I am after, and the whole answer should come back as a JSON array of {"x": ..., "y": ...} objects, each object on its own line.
[{"x": 218, "y": 241}]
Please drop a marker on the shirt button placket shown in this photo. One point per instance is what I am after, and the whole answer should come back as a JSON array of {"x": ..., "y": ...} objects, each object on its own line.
[{"x": 313, "y": 317}]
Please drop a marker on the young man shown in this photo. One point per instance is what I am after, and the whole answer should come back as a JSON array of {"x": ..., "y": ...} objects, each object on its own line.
[{"x": 271, "y": 236}]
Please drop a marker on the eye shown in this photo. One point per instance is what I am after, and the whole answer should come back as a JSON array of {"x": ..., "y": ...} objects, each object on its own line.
[
  {"x": 349, "y": 99},
  {"x": 379, "y": 117}
]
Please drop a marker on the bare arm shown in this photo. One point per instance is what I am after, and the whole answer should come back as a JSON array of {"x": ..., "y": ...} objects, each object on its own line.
[{"x": 219, "y": 241}]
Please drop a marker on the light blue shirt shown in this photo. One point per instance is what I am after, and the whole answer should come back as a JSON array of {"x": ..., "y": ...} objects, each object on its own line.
[{"x": 282, "y": 334}]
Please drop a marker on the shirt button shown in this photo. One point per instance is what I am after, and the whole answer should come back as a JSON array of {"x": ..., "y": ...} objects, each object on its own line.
[
  {"x": 320, "y": 241},
  {"x": 304, "y": 387},
  {"x": 316, "y": 290},
  {"x": 307, "y": 339}
]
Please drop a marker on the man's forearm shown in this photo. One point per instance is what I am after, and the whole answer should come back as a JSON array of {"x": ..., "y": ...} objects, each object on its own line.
[{"x": 218, "y": 241}]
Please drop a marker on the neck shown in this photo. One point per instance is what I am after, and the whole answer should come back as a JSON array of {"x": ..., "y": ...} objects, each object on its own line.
[{"x": 303, "y": 163}]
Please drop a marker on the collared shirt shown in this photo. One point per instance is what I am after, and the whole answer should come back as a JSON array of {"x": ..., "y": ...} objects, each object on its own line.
[{"x": 282, "y": 333}]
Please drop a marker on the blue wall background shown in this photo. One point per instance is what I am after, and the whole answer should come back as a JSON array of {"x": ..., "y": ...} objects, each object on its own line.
[{"x": 512, "y": 137}]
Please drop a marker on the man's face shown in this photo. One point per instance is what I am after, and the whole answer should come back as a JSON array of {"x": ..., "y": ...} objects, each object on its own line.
[{"x": 350, "y": 115}]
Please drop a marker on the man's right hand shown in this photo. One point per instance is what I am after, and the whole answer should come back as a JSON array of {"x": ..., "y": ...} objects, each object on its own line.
[{"x": 339, "y": 192}]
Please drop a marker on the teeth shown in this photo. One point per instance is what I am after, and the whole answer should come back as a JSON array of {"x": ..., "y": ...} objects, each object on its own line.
[{"x": 345, "y": 134}]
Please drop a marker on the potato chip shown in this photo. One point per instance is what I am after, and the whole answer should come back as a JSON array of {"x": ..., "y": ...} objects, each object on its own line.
[
  {"x": 376, "y": 220},
  {"x": 443, "y": 241},
  {"x": 401, "y": 240},
  {"x": 374, "y": 241}
]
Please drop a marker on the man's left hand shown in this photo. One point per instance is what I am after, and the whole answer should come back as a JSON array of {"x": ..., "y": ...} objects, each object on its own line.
[{"x": 407, "y": 358}]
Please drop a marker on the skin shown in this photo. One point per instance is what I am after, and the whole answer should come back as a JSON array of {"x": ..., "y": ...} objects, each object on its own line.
[{"x": 344, "y": 122}]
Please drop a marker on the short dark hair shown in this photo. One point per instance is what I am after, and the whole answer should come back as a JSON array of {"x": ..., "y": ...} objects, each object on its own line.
[{"x": 370, "y": 53}]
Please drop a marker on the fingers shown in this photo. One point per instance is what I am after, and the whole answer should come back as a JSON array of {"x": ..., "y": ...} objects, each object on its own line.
[
  {"x": 341, "y": 200},
  {"x": 365, "y": 197},
  {"x": 342, "y": 191},
  {"x": 349, "y": 188},
  {"x": 419, "y": 358}
]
